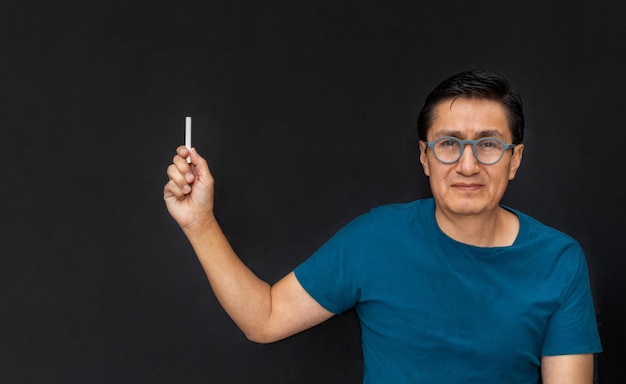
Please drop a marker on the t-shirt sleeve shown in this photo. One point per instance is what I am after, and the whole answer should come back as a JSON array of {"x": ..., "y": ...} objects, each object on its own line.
[
  {"x": 330, "y": 275},
  {"x": 572, "y": 329}
]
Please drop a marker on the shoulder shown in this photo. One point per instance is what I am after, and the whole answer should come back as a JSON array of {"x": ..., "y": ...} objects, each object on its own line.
[
  {"x": 402, "y": 211},
  {"x": 548, "y": 246},
  {"x": 388, "y": 220},
  {"x": 534, "y": 230}
]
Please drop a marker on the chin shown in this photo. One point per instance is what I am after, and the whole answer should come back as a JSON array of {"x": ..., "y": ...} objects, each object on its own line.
[
  {"x": 468, "y": 207},
  {"x": 466, "y": 211}
]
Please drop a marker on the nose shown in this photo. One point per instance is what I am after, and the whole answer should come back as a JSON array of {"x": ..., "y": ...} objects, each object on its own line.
[{"x": 467, "y": 164}]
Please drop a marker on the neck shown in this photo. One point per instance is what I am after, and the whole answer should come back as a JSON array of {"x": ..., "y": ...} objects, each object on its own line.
[{"x": 497, "y": 228}]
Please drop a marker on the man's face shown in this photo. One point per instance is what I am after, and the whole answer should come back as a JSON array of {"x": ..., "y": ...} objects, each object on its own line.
[{"x": 468, "y": 187}]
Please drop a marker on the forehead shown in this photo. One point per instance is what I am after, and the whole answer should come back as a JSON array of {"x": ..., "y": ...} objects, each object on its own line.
[{"x": 470, "y": 118}]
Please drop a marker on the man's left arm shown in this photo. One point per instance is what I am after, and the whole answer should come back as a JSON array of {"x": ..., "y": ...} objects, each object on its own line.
[{"x": 567, "y": 369}]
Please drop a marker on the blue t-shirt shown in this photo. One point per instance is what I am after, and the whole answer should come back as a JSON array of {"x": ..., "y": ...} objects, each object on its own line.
[{"x": 434, "y": 310}]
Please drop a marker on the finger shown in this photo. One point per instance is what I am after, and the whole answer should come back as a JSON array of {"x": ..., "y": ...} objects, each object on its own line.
[
  {"x": 173, "y": 189},
  {"x": 182, "y": 151},
  {"x": 179, "y": 179},
  {"x": 184, "y": 168}
]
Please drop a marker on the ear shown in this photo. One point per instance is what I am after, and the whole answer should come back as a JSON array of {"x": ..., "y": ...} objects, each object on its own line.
[
  {"x": 424, "y": 158},
  {"x": 516, "y": 160}
]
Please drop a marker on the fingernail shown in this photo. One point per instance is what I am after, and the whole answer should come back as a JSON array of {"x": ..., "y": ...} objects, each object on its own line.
[
  {"x": 189, "y": 177},
  {"x": 186, "y": 189}
]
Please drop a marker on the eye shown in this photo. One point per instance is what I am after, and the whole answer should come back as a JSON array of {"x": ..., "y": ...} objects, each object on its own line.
[
  {"x": 448, "y": 142},
  {"x": 490, "y": 144}
]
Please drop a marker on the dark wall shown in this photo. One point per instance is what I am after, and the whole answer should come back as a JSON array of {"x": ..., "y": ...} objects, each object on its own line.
[{"x": 306, "y": 113}]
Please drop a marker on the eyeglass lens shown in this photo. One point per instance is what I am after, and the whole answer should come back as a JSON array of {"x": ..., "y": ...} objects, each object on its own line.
[{"x": 487, "y": 150}]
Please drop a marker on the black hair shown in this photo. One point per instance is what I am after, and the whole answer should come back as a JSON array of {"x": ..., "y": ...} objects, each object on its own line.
[{"x": 479, "y": 84}]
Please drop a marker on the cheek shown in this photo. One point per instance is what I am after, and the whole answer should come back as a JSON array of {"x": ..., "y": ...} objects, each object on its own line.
[
  {"x": 437, "y": 179},
  {"x": 499, "y": 182}
]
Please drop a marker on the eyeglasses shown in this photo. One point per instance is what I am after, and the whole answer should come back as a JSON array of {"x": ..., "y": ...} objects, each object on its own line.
[{"x": 487, "y": 150}]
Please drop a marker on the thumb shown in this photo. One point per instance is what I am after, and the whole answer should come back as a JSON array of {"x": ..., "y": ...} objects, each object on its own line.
[
  {"x": 195, "y": 157},
  {"x": 201, "y": 167}
]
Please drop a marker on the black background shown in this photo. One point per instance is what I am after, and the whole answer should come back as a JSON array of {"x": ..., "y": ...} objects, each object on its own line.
[{"x": 306, "y": 113}]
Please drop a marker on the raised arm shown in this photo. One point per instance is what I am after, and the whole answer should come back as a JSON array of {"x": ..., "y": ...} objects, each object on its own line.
[{"x": 264, "y": 313}]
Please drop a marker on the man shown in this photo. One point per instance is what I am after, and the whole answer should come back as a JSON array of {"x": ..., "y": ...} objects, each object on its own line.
[{"x": 453, "y": 289}]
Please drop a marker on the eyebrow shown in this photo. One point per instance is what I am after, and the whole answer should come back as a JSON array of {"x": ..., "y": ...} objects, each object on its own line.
[{"x": 459, "y": 134}]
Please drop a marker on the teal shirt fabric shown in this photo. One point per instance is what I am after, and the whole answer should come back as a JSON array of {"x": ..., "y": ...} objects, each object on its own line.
[{"x": 433, "y": 310}]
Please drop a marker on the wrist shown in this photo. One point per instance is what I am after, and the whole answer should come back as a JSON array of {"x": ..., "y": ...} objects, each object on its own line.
[{"x": 201, "y": 226}]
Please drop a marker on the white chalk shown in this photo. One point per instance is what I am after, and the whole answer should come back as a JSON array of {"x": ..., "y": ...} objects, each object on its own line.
[{"x": 188, "y": 136}]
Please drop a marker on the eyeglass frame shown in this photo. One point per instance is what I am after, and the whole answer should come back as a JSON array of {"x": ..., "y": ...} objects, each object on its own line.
[{"x": 473, "y": 143}]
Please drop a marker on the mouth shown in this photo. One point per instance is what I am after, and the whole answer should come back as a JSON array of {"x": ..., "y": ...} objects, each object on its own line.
[{"x": 468, "y": 187}]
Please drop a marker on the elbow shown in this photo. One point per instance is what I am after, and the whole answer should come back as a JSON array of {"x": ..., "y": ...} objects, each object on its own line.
[
  {"x": 262, "y": 337},
  {"x": 258, "y": 339}
]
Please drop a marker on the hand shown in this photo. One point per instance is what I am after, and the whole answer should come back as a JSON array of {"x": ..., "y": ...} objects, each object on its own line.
[{"x": 189, "y": 192}]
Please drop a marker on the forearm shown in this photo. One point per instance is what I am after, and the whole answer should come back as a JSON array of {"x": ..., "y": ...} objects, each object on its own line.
[{"x": 245, "y": 297}]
